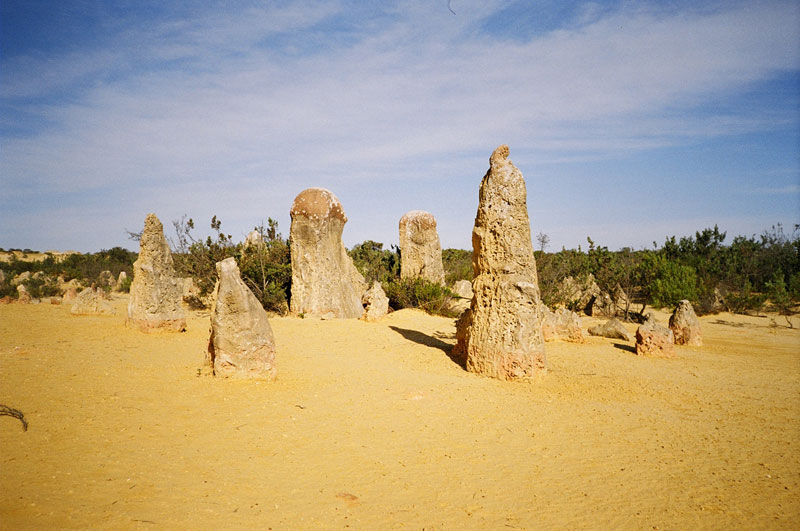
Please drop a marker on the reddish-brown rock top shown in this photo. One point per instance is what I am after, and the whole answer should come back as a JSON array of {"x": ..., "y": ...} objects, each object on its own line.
[
  {"x": 317, "y": 203},
  {"x": 420, "y": 219}
]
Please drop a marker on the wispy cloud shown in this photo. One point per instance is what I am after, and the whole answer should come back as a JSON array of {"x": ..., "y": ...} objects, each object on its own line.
[
  {"x": 792, "y": 189},
  {"x": 226, "y": 99}
]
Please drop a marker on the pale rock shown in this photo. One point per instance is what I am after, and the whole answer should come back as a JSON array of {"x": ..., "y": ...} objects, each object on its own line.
[
  {"x": 568, "y": 325},
  {"x": 69, "y": 296},
  {"x": 612, "y": 329},
  {"x": 155, "y": 300},
  {"x": 253, "y": 239},
  {"x": 74, "y": 284},
  {"x": 548, "y": 323},
  {"x": 241, "y": 344},
  {"x": 420, "y": 250},
  {"x": 376, "y": 303},
  {"x": 22, "y": 277},
  {"x": 91, "y": 301},
  {"x": 718, "y": 304},
  {"x": 620, "y": 299},
  {"x": 189, "y": 289},
  {"x": 601, "y": 305},
  {"x": 685, "y": 325},
  {"x": 463, "y": 288},
  {"x": 587, "y": 296},
  {"x": 501, "y": 334},
  {"x": 23, "y": 296},
  {"x": 461, "y": 302},
  {"x": 652, "y": 339},
  {"x": 121, "y": 279},
  {"x": 561, "y": 324},
  {"x": 105, "y": 280},
  {"x": 324, "y": 279}
]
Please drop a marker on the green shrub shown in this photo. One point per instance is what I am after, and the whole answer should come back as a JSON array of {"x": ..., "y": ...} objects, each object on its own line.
[
  {"x": 779, "y": 295},
  {"x": 745, "y": 300},
  {"x": 125, "y": 287},
  {"x": 267, "y": 270},
  {"x": 419, "y": 293},
  {"x": 41, "y": 287},
  {"x": 376, "y": 263},
  {"x": 668, "y": 282},
  {"x": 457, "y": 265}
]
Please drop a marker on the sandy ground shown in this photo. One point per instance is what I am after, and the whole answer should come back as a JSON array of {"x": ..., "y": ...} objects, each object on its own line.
[{"x": 372, "y": 426}]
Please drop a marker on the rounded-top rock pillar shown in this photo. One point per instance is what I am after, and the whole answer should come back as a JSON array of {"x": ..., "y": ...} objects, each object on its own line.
[
  {"x": 155, "y": 302},
  {"x": 420, "y": 250},
  {"x": 324, "y": 280},
  {"x": 501, "y": 334}
]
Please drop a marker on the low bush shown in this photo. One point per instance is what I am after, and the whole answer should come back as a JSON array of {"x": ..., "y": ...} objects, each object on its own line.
[{"x": 419, "y": 293}]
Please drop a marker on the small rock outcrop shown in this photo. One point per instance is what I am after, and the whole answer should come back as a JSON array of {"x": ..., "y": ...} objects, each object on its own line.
[
  {"x": 22, "y": 294},
  {"x": 22, "y": 277},
  {"x": 561, "y": 324},
  {"x": 601, "y": 305},
  {"x": 420, "y": 250},
  {"x": 155, "y": 301},
  {"x": 501, "y": 334},
  {"x": 73, "y": 284},
  {"x": 376, "y": 303},
  {"x": 91, "y": 301},
  {"x": 121, "y": 280},
  {"x": 253, "y": 240},
  {"x": 612, "y": 329},
  {"x": 241, "y": 343},
  {"x": 652, "y": 339},
  {"x": 586, "y": 295},
  {"x": 105, "y": 280},
  {"x": 685, "y": 325},
  {"x": 548, "y": 322},
  {"x": 463, "y": 291},
  {"x": 568, "y": 325},
  {"x": 69, "y": 296},
  {"x": 324, "y": 280},
  {"x": 463, "y": 288},
  {"x": 718, "y": 303}
]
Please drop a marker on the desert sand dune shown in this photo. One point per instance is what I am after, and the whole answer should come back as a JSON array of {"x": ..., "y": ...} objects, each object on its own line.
[{"x": 373, "y": 426}]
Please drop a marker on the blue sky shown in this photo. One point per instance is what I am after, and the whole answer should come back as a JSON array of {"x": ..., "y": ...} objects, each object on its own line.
[{"x": 631, "y": 121}]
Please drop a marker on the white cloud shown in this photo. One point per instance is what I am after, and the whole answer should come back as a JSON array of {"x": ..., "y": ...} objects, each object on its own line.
[
  {"x": 419, "y": 96},
  {"x": 792, "y": 189}
]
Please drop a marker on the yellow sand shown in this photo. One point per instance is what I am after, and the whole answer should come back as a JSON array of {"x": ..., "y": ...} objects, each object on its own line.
[{"x": 372, "y": 426}]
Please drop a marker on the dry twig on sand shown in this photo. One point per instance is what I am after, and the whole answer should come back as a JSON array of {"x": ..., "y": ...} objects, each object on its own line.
[{"x": 16, "y": 413}]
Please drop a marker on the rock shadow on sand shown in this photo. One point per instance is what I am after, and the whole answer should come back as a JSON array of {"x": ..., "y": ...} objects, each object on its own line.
[
  {"x": 429, "y": 341},
  {"x": 626, "y": 348}
]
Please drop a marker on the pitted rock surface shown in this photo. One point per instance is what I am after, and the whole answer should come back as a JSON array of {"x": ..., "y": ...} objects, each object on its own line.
[
  {"x": 91, "y": 301},
  {"x": 501, "y": 334},
  {"x": 376, "y": 303},
  {"x": 155, "y": 300},
  {"x": 685, "y": 325},
  {"x": 420, "y": 250},
  {"x": 652, "y": 339}
]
